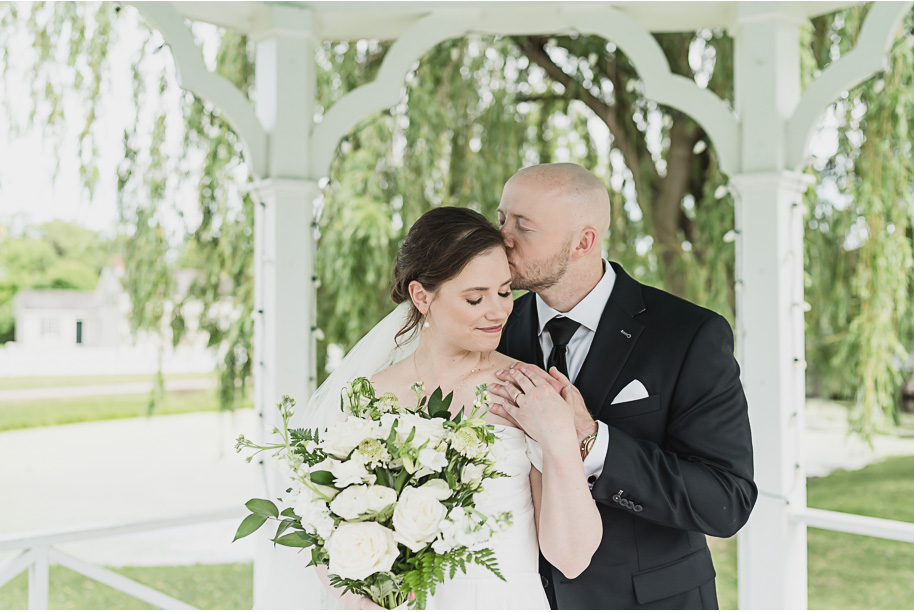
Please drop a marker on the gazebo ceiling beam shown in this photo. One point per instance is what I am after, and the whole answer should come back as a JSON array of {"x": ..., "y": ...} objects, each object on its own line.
[
  {"x": 868, "y": 58},
  {"x": 338, "y": 21}
]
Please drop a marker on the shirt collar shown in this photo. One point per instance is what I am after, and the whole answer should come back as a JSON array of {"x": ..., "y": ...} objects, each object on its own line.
[{"x": 588, "y": 311}]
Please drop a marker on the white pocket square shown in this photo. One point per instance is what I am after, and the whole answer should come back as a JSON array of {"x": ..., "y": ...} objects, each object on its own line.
[{"x": 632, "y": 391}]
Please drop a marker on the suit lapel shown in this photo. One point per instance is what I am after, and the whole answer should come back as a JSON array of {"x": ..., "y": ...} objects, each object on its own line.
[{"x": 613, "y": 341}]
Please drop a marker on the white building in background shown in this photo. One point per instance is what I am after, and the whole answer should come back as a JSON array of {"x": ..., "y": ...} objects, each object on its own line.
[
  {"x": 68, "y": 318},
  {"x": 63, "y": 332}
]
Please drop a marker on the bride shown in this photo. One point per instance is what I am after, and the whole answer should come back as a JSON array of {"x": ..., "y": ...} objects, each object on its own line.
[{"x": 452, "y": 283}]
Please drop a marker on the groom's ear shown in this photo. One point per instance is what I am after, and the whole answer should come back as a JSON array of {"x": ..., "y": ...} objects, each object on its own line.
[
  {"x": 587, "y": 241},
  {"x": 419, "y": 296}
]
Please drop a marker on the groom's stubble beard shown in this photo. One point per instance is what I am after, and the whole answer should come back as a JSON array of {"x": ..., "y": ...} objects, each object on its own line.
[{"x": 542, "y": 275}]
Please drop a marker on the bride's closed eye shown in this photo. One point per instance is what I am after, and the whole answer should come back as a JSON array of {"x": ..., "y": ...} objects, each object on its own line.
[{"x": 479, "y": 301}]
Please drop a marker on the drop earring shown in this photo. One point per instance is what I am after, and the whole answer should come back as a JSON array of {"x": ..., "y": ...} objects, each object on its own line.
[{"x": 425, "y": 325}]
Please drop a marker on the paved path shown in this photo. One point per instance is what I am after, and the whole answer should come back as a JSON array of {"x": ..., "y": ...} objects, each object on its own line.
[
  {"x": 71, "y": 476},
  {"x": 189, "y": 384}
]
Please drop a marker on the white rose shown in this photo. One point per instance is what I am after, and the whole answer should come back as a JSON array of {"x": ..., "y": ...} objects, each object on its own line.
[
  {"x": 416, "y": 518},
  {"x": 343, "y": 437},
  {"x": 355, "y": 501},
  {"x": 358, "y": 550},
  {"x": 438, "y": 488},
  {"x": 432, "y": 459},
  {"x": 351, "y": 472},
  {"x": 472, "y": 473}
]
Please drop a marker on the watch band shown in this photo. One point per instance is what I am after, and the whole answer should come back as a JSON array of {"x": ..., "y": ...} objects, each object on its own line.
[{"x": 587, "y": 444}]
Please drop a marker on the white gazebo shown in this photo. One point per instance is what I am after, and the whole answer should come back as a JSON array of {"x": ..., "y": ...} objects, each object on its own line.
[{"x": 762, "y": 145}]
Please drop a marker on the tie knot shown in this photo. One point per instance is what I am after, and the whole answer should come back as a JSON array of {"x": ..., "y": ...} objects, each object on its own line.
[{"x": 561, "y": 329}]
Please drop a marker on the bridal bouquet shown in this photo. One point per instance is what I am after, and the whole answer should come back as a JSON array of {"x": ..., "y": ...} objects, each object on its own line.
[{"x": 385, "y": 498}]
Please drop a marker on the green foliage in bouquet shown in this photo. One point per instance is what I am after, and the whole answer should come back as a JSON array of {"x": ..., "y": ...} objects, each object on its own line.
[{"x": 399, "y": 481}]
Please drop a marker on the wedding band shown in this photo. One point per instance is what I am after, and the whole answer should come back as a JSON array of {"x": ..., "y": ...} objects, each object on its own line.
[{"x": 517, "y": 395}]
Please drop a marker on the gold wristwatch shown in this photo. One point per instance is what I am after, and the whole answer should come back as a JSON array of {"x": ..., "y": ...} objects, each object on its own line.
[{"x": 587, "y": 444}]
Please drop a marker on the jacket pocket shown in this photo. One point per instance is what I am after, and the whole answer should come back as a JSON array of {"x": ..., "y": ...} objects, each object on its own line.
[
  {"x": 673, "y": 578},
  {"x": 630, "y": 409}
]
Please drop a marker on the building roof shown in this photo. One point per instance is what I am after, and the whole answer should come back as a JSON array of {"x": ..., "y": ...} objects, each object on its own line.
[{"x": 55, "y": 299}]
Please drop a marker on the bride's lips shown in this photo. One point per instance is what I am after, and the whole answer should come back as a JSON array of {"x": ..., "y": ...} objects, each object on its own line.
[{"x": 490, "y": 330}]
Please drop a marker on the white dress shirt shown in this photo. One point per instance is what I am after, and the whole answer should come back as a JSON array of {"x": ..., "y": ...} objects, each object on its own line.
[{"x": 587, "y": 312}]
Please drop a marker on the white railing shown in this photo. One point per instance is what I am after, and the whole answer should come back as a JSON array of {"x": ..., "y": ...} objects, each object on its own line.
[
  {"x": 36, "y": 552},
  {"x": 855, "y": 523}
]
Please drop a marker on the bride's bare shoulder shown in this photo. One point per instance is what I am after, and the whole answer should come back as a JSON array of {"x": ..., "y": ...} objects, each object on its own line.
[{"x": 396, "y": 379}]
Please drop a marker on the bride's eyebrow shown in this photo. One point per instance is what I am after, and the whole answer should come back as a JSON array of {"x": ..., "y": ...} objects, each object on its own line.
[{"x": 507, "y": 282}]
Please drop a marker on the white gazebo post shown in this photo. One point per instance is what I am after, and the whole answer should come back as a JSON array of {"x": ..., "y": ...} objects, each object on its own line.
[
  {"x": 284, "y": 306},
  {"x": 769, "y": 221}
]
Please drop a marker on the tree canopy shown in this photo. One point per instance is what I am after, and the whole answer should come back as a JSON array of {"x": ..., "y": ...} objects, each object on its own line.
[{"x": 472, "y": 112}]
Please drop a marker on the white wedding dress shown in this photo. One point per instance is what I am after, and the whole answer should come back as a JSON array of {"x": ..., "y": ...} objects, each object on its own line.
[{"x": 516, "y": 548}]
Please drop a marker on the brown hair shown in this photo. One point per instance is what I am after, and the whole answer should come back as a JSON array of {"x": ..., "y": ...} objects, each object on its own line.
[{"x": 437, "y": 248}]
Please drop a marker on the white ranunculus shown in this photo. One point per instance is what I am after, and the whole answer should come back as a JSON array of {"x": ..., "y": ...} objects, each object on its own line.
[
  {"x": 351, "y": 472},
  {"x": 432, "y": 459},
  {"x": 350, "y": 503},
  {"x": 379, "y": 497},
  {"x": 358, "y": 550},
  {"x": 355, "y": 501},
  {"x": 437, "y": 487},
  {"x": 416, "y": 517},
  {"x": 343, "y": 437},
  {"x": 472, "y": 473}
]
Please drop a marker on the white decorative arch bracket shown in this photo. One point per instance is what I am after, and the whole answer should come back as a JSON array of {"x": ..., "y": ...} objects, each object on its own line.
[
  {"x": 867, "y": 58},
  {"x": 214, "y": 88},
  {"x": 660, "y": 84},
  {"x": 384, "y": 91}
]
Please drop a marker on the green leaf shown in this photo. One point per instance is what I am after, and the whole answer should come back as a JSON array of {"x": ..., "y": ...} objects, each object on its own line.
[
  {"x": 263, "y": 507},
  {"x": 402, "y": 477},
  {"x": 296, "y": 539},
  {"x": 290, "y": 513},
  {"x": 249, "y": 525},
  {"x": 322, "y": 477},
  {"x": 283, "y": 527}
]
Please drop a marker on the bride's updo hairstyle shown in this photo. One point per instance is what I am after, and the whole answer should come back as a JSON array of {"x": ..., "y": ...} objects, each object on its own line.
[{"x": 437, "y": 248}]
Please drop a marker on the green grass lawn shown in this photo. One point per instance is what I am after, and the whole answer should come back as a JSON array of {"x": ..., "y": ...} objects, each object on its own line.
[
  {"x": 41, "y": 413},
  {"x": 46, "y": 382},
  {"x": 848, "y": 571},
  {"x": 207, "y": 587}
]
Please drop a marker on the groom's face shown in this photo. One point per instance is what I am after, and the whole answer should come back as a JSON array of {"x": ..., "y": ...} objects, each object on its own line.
[{"x": 537, "y": 236}]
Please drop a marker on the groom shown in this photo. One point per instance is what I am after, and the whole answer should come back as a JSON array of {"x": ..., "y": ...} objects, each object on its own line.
[{"x": 659, "y": 408}]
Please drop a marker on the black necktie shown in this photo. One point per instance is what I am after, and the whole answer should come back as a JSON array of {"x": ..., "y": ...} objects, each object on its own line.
[{"x": 561, "y": 329}]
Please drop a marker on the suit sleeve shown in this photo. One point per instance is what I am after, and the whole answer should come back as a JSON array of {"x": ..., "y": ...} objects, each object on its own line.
[{"x": 701, "y": 478}]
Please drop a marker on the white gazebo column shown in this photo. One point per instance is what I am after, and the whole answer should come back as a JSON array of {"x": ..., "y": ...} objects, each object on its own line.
[
  {"x": 769, "y": 221},
  {"x": 284, "y": 256}
]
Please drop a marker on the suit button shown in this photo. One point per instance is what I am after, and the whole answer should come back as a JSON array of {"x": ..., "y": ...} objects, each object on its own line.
[
  {"x": 637, "y": 508},
  {"x": 545, "y": 581}
]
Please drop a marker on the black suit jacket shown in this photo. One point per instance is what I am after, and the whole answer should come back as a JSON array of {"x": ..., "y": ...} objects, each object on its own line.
[{"x": 679, "y": 463}]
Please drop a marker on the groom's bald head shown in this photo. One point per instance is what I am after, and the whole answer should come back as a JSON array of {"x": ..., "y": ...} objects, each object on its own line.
[{"x": 571, "y": 190}]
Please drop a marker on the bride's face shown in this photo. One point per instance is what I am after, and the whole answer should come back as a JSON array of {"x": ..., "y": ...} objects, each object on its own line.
[{"x": 471, "y": 309}]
